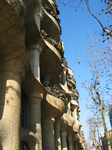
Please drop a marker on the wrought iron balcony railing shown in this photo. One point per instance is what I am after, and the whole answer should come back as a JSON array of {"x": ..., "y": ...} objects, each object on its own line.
[
  {"x": 56, "y": 91},
  {"x": 57, "y": 45}
]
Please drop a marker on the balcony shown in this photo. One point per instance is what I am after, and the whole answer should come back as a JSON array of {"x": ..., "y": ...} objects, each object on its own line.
[
  {"x": 57, "y": 45},
  {"x": 52, "y": 106},
  {"x": 49, "y": 18},
  {"x": 50, "y": 58},
  {"x": 53, "y": 5},
  {"x": 56, "y": 91},
  {"x": 67, "y": 120}
]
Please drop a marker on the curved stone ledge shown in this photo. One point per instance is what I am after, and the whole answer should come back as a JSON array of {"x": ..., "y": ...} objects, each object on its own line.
[
  {"x": 35, "y": 85},
  {"x": 52, "y": 4},
  {"x": 76, "y": 128},
  {"x": 58, "y": 45},
  {"x": 55, "y": 102},
  {"x": 57, "y": 92},
  {"x": 68, "y": 120},
  {"x": 47, "y": 19},
  {"x": 53, "y": 49},
  {"x": 50, "y": 63},
  {"x": 74, "y": 104},
  {"x": 52, "y": 106},
  {"x": 51, "y": 8}
]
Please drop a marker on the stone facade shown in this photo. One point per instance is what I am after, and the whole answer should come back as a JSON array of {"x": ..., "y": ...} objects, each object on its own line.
[{"x": 38, "y": 98}]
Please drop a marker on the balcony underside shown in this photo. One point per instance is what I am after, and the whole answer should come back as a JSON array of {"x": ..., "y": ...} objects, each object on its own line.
[
  {"x": 50, "y": 25},
  {"x": 11, "y": 34},
  {"x": 12, "y": 44},
  {"x": 50, "y": 63},
  {"x": 32, "y": 34},
  {"x": 52, "y": 106}
]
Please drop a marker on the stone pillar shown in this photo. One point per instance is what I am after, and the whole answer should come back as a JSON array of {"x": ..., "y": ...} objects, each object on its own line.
[
  {"x": 38, "y": 18},
  {"x": 76, "y": 146},
  {"x": 48, "y": 133},
  {"x": 11, "y": 75},
  {"x": 70, "y": 141},
  {"x": 57, "y": 135},
  {"x": 34, "y": 57},
  {"x": 34, "y": 118},
  {"x": 64, "y": 140}
]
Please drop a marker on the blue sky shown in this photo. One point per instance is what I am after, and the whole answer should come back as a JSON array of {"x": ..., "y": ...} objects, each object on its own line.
[{"x": 75, "y": 26}]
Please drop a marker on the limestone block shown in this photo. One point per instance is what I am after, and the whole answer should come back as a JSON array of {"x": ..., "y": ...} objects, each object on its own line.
[{"x": 6, "y": 130}]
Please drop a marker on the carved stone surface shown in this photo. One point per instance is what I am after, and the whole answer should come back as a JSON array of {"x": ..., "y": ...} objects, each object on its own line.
[
  {"x": 51, "y": 12},
  {"x": 57, "y": 92},
  {"x": 57, "y": 45},
  {"x": 18, "y": 5},
  {"x": 30, "y": 117},
  {"x": 75, "y": 95},
  {"x": 64, "y": 62},
  {"x": 71, "y": 81}
]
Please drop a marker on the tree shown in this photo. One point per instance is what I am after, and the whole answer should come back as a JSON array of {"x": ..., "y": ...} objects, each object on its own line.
[
  {"x": 94, "y": 122},
  {"x": 99, "y": 60},
  {"x": 99, "y": 85},
  {"x": 92, "y": 130},
  {"x": 106, "y": 10}
]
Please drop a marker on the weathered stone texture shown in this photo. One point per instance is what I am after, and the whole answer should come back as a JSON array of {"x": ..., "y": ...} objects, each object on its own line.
[{"x": 38, "y": 97}]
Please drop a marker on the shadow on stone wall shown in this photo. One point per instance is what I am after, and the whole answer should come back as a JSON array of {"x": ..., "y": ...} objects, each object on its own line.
[{"x": 1, "y": 148}]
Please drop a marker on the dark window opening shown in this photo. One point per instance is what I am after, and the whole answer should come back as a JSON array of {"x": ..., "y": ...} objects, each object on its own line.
[
  {"x": 24, "y": 146},
  {"x": 24, "y": 110}
]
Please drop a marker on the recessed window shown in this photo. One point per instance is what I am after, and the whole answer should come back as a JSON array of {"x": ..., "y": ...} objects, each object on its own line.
[
  {"x": 24, "y": 110},
  {"x": 24, "y": 146}
]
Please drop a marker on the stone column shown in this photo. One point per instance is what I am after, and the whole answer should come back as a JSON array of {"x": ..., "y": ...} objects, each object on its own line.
[
  {"x": 48, "y": 133},
  {"x": 64, "y": 140},
  {"x": 11, "y": 75},
  {"x": 76, "y": 146},
  {"x": 57, "y": 135},
  {"x": 70, "y": 141},
  {"x": 38, "y": 16},
  {"x": 34, "y": 57},
  {"x": 34, "y": 117}
]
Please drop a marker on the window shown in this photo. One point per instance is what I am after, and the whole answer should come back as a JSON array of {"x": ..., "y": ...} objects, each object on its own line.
[
  {"x": 24, "y": 109},
  {"x": 24, "y": 146}
]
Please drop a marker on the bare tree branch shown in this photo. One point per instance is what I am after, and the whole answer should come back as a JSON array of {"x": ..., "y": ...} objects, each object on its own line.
[
  {"x": 104, "y": 28},
  {"x": 93, "y": 97}
]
